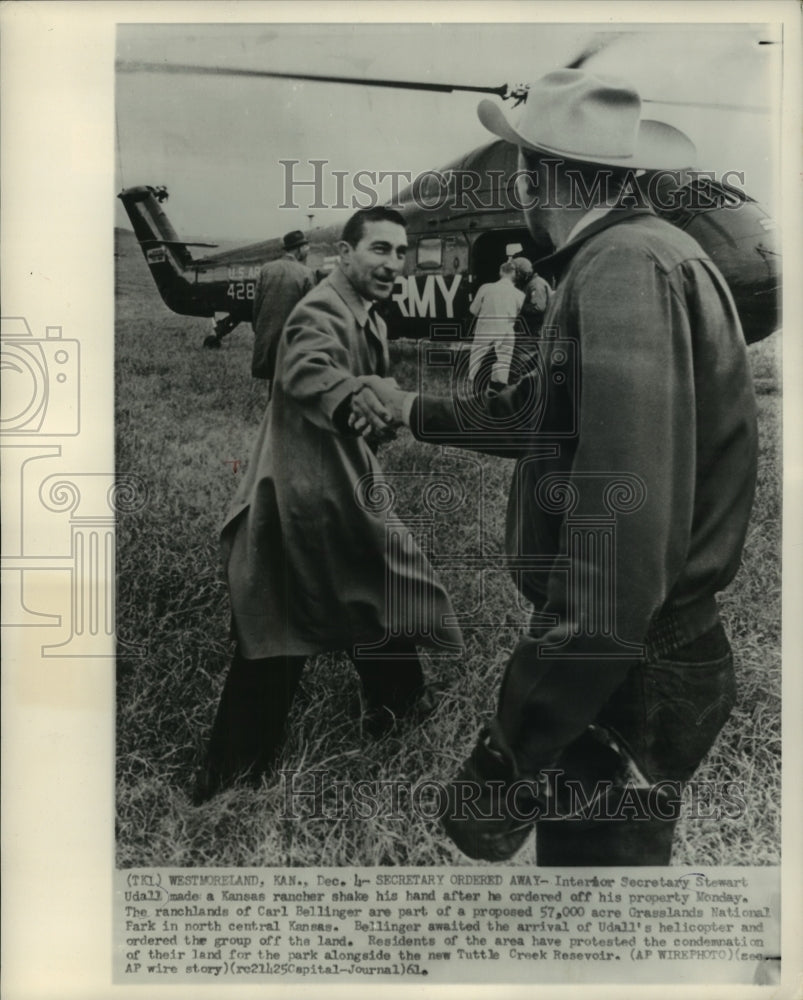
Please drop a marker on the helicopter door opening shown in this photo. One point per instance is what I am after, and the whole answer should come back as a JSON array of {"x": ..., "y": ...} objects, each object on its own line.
[{"x": 493, "y": 248}]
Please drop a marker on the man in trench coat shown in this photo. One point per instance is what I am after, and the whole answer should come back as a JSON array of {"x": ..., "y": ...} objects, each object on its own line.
[{"x": 314, "y": 559}]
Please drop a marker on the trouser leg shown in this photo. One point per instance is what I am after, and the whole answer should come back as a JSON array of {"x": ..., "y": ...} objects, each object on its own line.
[
  {"x": 249, "y": 725},
  {"x": 504, "y": 356},
  {"x": 667, "y": 713},
  {"x": 478, "y": 358},
  {"x": 392, "y": 680}
]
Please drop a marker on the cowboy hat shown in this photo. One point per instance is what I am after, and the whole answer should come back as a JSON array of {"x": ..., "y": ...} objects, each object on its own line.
[{"x": 594, "y": 119}]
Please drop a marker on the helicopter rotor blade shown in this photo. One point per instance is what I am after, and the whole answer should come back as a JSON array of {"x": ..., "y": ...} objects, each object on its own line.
[
  {"x": 504, "y": 91},
  {"x": 599, "y": 42},
  {"x": 602, "y": 41},
  {"x": 444, "y": 88},
  {"x": 751, "y": 108}
]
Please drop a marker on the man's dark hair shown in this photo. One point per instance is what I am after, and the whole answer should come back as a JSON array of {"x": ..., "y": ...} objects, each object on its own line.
[{"x": 355, "y": 227}]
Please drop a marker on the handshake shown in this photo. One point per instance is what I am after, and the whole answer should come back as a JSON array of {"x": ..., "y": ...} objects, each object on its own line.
[{"x": 377, "y": 408}]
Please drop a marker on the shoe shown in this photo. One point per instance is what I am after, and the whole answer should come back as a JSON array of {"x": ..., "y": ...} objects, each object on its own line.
[{"x": 477, "y": 818}]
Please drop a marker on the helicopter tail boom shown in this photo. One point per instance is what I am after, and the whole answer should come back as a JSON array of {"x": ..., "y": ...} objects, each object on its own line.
[{"x": 168, "y": 257}]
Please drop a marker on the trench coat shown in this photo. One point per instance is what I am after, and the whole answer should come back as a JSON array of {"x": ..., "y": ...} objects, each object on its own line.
[{"x": 315, "y": 557}]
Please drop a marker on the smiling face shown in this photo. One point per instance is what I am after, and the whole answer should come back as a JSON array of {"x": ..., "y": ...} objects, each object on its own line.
[{"x": 373, "y": 265}]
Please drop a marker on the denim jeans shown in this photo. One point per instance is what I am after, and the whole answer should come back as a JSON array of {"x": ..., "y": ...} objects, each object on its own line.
[{"x": 665, "y": 715}]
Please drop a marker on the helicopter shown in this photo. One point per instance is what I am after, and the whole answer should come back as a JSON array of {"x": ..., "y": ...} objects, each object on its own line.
[{"x": 457, "y": 242}]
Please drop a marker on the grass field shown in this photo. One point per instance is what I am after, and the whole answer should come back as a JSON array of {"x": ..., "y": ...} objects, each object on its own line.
[{"x": 184, "y": 417}]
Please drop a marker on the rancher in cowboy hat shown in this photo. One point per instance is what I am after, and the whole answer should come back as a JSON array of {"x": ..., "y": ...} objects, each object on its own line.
[
  {"x": 622, "y": 643},
  {"x": 632, "y": 496}
]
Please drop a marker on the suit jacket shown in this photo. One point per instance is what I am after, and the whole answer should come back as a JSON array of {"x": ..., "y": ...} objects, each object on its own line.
[
  {"x": 281, "y": 285},
  {"x": 315, "y": 557}
]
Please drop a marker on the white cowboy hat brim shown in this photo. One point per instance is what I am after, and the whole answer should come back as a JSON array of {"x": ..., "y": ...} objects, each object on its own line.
[{"x": 658, "y": 146}]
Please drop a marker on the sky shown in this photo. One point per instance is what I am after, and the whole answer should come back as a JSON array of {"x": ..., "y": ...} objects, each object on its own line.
[{"x": 216, "y": 142}]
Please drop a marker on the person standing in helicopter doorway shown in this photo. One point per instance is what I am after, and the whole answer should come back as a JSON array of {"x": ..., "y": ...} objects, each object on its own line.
[
  {"x": 537, "y": 293},
  {"x": 496, "y": 306}
]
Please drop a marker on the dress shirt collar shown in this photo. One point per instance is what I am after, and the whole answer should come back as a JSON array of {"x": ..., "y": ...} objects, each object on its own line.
[{"x": 356, "y": 303}]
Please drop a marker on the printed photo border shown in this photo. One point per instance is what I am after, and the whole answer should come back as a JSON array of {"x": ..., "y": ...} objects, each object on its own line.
[{"x": 58, "y": 528}]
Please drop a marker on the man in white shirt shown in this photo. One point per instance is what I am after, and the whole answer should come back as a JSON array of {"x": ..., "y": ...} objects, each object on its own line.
[{"x": 496, "y": 306}]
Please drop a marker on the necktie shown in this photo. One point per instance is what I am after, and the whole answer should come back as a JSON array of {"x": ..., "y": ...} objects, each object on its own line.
[{"x": 372, "y": 325}]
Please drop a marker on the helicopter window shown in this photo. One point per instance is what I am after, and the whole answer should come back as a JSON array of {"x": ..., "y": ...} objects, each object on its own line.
[{"x": 430, "y": 253}]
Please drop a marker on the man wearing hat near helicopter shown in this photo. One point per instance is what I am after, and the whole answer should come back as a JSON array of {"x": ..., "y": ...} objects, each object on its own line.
[
  {"x": 631, "y": 496},
  {"x": 280, "y": 286}
]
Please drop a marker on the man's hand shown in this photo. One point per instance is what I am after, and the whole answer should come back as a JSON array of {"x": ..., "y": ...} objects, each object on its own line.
[
  {"x": 369, "y": 417},
  {"x": 388, "y": 394}
]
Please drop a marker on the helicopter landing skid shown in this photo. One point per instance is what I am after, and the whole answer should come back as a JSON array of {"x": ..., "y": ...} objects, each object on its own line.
[{"x": 222, "y": 327}]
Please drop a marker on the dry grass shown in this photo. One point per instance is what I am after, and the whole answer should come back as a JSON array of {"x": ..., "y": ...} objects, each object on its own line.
[{"x": 182, "y": 415}]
